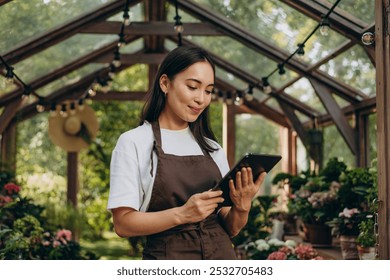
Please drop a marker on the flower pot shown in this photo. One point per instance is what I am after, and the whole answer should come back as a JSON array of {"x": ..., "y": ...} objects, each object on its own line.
[
  {"x": 366, "y": 253},
  {"x": 349, "y": 247},
  {"x": 319, "y": 235}
]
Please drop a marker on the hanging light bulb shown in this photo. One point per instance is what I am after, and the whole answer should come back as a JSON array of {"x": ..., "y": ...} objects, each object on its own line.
[
  {"x": 121, "y": 42},
  {"x": 91, "y": 91},
  {"x": 53, "y": 109},
  {"x": 238, "y": 101},
  {"x": 221, "y": 96},
  {"x": 249, "y": 93},
  {"x": 72, "y": 108},
  {"x": 126, "y": 17},
  {"x": 178, "y": 24},
  {"x": 324, "y": 26},
  {"x": 104, "y": 86},
  {"x": 63, "y": 112},
  {"x": 214, "y": 94},
  {"x": 111, "y": 73},
  {"x": 10, "y": 76},
  {"x": 81, "y": 104},
  {"x": 267, "y": 89},
  {"x": 40, "y": 106},
  {"x": 229, "y": 98},
  {"x": 109, "y": 82},
  {"x": 117, "y": 59}
]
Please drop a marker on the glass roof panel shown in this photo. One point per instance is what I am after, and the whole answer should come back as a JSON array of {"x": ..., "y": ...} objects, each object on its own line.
[
  {"x": 302, "y": 117},
  {"x": 340, "y": 101},
  {"x": 354, "y": 68},
  {"x": 135, "y": 12},
  {"x": 69, "y": 79},
  {"x": 278, "y": 24},
  {"x": 20, "y": 21},
  {"x": 135, "y": 46},
  {"x": 60, "y": 54},
  {"x": 5, "y": 87},
  {"x": 184, "y": 16},
  {"x": 357, "y": 9},
  {"x": 243, "y": 57},
  {"x": 274, "y": 105},
  {"x": 304, "y": 92}
]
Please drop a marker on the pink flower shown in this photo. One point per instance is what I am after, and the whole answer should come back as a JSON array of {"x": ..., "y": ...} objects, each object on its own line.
[
  {"x": 277, "y": 256},
  {"x": 4, "y": 200},
  {"x": 305, "y": 252},
  {"x": 347, "y": 213},
  {"x": 318, "y": 258},
  {"x": 46, "y": 243},
  {"x": 64, "y": 235},
  {"x": 11, "y": 188},
  {"x": 56, "y": 243}
]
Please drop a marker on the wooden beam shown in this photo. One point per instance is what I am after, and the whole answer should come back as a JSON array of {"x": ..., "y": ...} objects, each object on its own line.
[
  {"x": 295, "y": 122},
  {"x": 161, "y": 28},
  {"x": 229, "y": 133},
  {"x": 370, "y": 51},
  {"x": 382, "y": 52},
  {"x": 131, "y": 59},
  {"x": 2, "y": 2},
  {"x": 255, "y": 106},
  {"x": 120, "y": 96},
  {"x": 363, "y": 140},
  {"x": 105, "y": 51},
  {"x": 337, "y": 115},
  {"x": 154, "y": 11},
  {"x": 73, "y": 178},
  {"x": 64, "y": 31},
  {"x": 8, "y": 147},
  {"x": 273, "y": 52},
  {"x": 8, "y": 113}
]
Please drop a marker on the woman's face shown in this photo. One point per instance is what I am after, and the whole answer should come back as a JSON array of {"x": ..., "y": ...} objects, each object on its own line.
[{"x": 187, "y": 95}]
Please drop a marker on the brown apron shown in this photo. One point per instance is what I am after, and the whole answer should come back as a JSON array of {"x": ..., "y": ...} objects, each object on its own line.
[{"x": 177, "y": 178}]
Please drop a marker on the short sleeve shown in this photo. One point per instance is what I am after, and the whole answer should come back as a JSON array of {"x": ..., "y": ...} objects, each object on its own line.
[{"x": 125, "y": 182}]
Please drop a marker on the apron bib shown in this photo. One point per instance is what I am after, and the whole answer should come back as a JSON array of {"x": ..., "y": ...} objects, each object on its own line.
[{"x": 177, "y": 178}]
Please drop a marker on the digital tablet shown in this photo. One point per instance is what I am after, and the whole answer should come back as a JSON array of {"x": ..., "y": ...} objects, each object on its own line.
[{"x": 258, "y": 162}]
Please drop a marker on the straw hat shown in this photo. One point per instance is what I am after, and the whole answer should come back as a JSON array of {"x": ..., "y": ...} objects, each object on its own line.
[{"x": 74, "y": 132}]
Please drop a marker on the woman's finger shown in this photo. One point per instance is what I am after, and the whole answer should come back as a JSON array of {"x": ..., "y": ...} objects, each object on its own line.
[
  {"x": 260, "y": 178},
  {"x": 245, "y": 176},
  {"x": 238, "y": 180}
]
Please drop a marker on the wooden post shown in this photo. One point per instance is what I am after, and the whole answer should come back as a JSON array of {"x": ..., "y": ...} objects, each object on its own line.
[
  {"x": 288, "y": 150},
  {"x": 229, "y": 133},
  {"x": 362, "y": 157},
  {"x": 73, "y": 182},
  {"x": 8, "y": 147},
  {"x": 382, "y": 51}
]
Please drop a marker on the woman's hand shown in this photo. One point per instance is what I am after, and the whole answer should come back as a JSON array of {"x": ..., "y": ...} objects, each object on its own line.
[
  {"x": 245, "y": 189},
  {"x": 199, "y": 206}
]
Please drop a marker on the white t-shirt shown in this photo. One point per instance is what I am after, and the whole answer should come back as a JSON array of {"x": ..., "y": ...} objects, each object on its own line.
[{"x": 131, "y": 183}]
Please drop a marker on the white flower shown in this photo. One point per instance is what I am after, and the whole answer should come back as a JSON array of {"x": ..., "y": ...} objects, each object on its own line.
[
  {"x": 250, "y": 245},
  {"x": 290, "y": 243},
  {"x": 262, "y": 246},
  {"x": 275, "y": 242},
  {"x": 260, "y": 241}
]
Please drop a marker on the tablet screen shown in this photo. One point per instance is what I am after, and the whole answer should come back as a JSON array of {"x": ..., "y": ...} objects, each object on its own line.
[{"x": 258, "y": 162}]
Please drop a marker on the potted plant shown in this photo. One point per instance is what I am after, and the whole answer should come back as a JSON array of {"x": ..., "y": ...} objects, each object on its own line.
[{"x": 366, "y": 240}]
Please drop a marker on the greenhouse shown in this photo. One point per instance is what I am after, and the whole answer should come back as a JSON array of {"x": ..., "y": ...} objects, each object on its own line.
[{"x": 304, "y": 79}]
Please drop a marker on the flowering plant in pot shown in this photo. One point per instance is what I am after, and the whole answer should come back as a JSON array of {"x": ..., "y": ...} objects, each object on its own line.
[{"x": 366, "y": 240}]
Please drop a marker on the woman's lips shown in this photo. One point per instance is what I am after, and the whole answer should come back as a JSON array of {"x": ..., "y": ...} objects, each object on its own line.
[{"x": 195, "y": 110}]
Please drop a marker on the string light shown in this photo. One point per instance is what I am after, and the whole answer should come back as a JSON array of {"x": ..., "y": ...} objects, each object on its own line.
[
  {"x": 72, "y": 108},
  {"x": 126, "y": 15},
  {"x": 267, "y": 89},
  {"x": 40, "y": 106},
  {"x": 81, "y": 104},
  {"x": 249, "y": 93},
  {"x": 26, "y": 92},
  {"x": 301, "y": 50},
  {"x": 117, "y": 59},
  {"x": 238, "y": 100},
  {"x": 53, "y": 109},
  {"x": 121, "y": 41},
  {"x": 10, "y": 76},
  {"x": 63, "y": 112},
  {"x": 178, "y": 25},
  {"x": 221, "y": 96},
  {"x": 324, "y": 26}
]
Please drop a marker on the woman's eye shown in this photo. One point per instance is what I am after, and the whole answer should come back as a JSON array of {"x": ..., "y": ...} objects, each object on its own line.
[
  {"x": 209, "y": 91},
  {"x": 191, "y": 87}
]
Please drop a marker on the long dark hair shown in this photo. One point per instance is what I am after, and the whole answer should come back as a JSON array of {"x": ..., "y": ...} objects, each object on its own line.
[{"x": 175, "y": 62}]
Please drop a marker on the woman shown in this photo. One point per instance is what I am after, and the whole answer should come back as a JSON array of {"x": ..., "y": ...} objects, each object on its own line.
[{"x": 163, "y": 170}]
